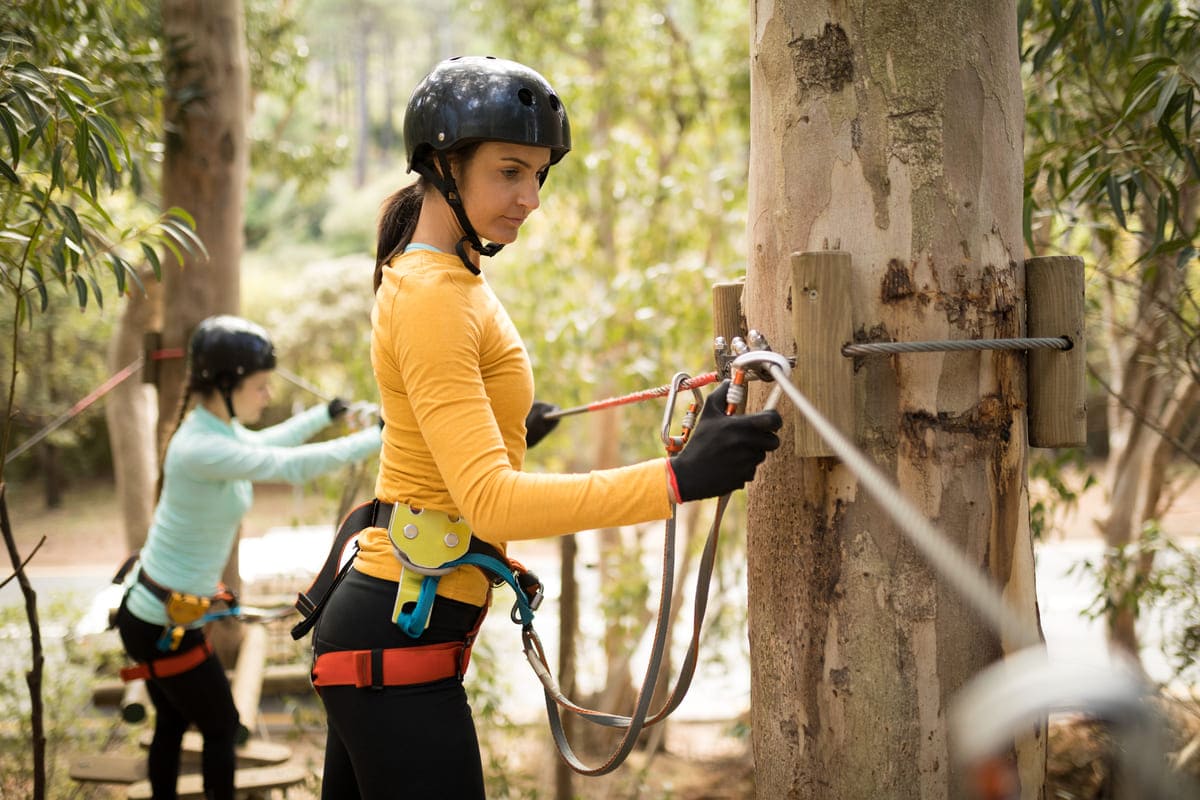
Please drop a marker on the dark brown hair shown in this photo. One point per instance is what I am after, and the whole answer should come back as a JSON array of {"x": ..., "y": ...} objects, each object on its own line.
[
  {"x": 397, "y": 221},
  {"x": 398, "y": 216}
]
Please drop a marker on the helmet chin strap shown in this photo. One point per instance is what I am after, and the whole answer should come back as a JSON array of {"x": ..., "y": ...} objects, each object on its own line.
[
  {"x": 227, "y": 396},
  {"x": 445, "y": 183}
]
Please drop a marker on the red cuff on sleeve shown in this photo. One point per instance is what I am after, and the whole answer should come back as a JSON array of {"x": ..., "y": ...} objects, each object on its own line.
[{"x": 673, "y": 484}]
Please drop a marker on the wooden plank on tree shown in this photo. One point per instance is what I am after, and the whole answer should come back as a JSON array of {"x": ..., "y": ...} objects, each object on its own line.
[
  {"x": 1054, "y": 287},
  {"x": 254, "y": 752},
  {"x": 823, "y": 321},
  {"x": 728, "y": 319},
  {"x": 245, "y": 781},
  {"x": 108, "y": 769}
]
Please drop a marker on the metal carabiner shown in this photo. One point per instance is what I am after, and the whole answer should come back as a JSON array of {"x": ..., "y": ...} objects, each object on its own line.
[{"x": 674, "y": 444}]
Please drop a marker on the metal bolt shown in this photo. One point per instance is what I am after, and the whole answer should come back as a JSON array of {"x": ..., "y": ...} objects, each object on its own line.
[
  {"x": 451, "y": 540},
  {"x": 410, "y": 531}
]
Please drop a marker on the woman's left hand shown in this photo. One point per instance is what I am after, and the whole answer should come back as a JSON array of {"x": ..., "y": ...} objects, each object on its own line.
[{"x": 536, "y": 424}]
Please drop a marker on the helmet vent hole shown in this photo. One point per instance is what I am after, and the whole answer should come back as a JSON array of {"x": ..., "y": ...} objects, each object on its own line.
[
  {"x": 554, "y": 104},
  {"x": 525, "y": 96}
]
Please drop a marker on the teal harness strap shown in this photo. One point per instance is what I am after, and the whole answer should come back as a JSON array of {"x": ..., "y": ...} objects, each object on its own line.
[
  {"x": 504, "y": 572},
  {"x": 412, "y": 621}
]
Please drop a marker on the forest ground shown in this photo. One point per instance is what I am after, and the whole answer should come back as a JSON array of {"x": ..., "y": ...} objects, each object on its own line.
[{"x": 702, "y": 760}]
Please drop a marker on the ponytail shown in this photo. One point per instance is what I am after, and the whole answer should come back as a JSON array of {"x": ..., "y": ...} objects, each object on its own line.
[
  {"x": 191, "y": 387},
  {"x": 397, "y": 221}
]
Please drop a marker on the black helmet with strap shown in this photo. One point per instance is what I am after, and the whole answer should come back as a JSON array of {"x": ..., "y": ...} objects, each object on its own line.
[
  {"x": 225, "y": 349},
  {"x": 479, "y": 99}
]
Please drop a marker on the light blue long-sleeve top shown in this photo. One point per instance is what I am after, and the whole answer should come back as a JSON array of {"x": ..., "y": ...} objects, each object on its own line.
[{"x": 207, "y": 490}]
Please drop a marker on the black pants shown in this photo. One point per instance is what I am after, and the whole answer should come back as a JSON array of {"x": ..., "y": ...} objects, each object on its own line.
[
  {"x": 200, "y": 696},
  {"x": 398, "y": 741}
]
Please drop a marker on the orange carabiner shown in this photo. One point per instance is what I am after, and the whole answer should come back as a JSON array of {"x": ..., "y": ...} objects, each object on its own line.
[{"x": 674, "y": 444}]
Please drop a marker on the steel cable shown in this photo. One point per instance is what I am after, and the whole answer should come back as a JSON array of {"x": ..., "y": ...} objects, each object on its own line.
[{"x": 934, "y": 546}]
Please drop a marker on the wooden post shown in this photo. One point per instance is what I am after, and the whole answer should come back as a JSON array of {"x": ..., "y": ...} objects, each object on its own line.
[
  {"x": 822, "y": 321},
  {"x": 134, "y": 701},
  {"x": 151, "y": 342},
  {"x": 1057, "y": 381},
  {"x": 248, "y": 676},
  {"x": 728, "y": 319}
]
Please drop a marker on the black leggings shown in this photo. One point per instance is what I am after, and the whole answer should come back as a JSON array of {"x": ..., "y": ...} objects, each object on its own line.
[
  {"x": 200, "y": 696},
  {"x": 399, "y": 741}
]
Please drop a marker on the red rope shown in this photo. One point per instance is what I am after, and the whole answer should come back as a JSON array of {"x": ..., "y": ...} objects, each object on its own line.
[
  {"x": 636, "y": 397},
  {"x": 115, "y": 380}
]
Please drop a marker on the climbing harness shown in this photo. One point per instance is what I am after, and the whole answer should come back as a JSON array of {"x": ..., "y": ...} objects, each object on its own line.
[
  {"x": 183, "y": 610},
  {"x": 425, "y": 543},
  {"x": 168, "y": 666},
  {"x": 401, "y": 666}
]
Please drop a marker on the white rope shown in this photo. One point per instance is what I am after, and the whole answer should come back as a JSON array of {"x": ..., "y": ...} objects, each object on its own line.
[{"x": 936, "y": 548}]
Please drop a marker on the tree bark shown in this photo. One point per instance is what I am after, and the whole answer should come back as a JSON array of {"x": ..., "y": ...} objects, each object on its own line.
[
  {"x": 204, "y": 171},
  {"x": 131, "y": 414},
  {"x": 1154, "y": 392},
  {"x": 892, "y": 131}
]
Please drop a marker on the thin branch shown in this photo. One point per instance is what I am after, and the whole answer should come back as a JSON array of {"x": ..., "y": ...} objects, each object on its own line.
[
  {"x": 21, "y": 567},
  {"x": 1153, "y": 425}
]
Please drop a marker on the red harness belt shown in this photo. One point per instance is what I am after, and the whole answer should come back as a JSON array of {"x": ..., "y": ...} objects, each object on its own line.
[
  {"x": 395, "y": 666},
  {"x": 169, "y": 666}
]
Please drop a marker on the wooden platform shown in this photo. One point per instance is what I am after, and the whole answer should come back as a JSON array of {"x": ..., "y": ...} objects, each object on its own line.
[
  {"x": 253, "y": 753},
  {"x": 108, "y": 769},
  {"x": 130, "y": 769},
  {"x": 249, "y": 782}
]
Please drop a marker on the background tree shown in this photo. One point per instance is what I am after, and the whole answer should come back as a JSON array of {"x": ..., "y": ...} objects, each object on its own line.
[
  {"x": 205, "y": 162},
  {"x": 909, "y": 158},
  {"x": 1112, "y": 168},
  {"x": 204, "y": 170}
]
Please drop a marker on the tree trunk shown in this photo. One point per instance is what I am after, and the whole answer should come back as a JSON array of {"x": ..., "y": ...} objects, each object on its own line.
[
  {"x": 1153, "y": 393},
  {"x": 894, "y": 132},
  {"x": 131, "y": 414},
  {"x": 204, "y": 171},
  {"x": 568, "y": 629}
]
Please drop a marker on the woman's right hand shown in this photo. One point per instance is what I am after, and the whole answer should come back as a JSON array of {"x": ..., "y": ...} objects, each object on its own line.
[{"x": 723, "y": 452}]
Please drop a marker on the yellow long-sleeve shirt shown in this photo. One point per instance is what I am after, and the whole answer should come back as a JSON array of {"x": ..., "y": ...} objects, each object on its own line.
[{"x": 455, "y": 386}]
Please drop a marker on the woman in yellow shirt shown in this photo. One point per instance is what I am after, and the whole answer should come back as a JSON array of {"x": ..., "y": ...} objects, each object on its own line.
[{"x": 456, "y": 392}]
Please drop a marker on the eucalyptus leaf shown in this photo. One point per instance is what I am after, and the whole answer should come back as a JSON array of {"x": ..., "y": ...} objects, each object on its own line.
[
  {"x": 1166, "y": 95},
  {"x": 152, "y": 257}
]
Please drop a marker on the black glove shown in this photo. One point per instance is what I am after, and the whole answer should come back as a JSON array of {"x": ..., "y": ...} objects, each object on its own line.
[
  {"x": 723, "y": 452},
  {"x": 337, "y": 407},
  {"x": 536, "y": 424}
]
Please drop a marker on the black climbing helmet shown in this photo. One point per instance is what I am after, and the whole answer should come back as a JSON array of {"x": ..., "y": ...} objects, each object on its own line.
[
  {"x": 483, "y": 98},
  {"x": 224, "y": 349},
  {"x": 479, "y": 99}
]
